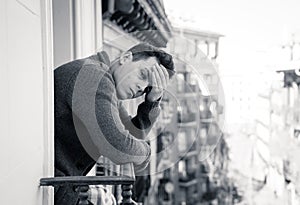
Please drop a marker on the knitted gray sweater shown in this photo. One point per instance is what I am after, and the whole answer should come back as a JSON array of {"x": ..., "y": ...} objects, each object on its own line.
[
  {"x": 90, "y": 122},
  {"x": 88, "y": 115}
]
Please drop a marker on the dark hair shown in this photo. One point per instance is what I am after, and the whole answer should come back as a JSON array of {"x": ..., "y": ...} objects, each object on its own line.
[{"x": 145, "y": 50}]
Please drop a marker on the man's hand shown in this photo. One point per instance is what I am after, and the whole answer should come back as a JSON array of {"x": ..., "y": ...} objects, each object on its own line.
[{"x": 159, "y": 79}]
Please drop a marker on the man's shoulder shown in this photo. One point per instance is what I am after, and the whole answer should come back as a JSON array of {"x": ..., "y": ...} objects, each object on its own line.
[
  {"x": 98, "y": 62},
  {"x": 98, "y": 58}
]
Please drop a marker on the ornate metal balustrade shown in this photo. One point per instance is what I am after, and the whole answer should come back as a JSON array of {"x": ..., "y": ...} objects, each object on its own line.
[
  {"x": 145, "y": 20},
  {"x": 126, "y": 178}
]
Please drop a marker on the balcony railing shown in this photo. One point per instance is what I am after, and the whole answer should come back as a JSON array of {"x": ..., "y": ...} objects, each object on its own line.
[{"x": 126, "y": 179}]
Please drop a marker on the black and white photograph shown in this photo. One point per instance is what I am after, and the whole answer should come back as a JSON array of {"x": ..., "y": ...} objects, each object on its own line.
[{"x": 150, "y": 102}]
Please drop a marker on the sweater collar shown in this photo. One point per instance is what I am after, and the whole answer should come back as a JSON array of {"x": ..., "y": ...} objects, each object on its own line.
[{"x": 103, "y": 57}]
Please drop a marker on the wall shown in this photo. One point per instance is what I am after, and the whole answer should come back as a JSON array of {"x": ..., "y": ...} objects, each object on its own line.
[{"x": 21, "y": 103}]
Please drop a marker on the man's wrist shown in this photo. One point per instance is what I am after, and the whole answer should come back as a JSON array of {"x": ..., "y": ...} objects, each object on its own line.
[
  {"x": 152, "y": 104},
  {"x": 156, "y": 98}
]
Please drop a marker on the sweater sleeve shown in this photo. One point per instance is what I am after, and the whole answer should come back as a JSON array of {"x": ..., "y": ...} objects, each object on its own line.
[{"x": 94, "y": 101}]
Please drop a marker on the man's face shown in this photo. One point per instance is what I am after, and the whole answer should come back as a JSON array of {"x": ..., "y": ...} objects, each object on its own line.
[{"x": 132, "y": 77}]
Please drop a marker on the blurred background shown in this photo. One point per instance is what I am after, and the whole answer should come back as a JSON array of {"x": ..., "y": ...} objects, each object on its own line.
[
  {"x": 229, "y": 128},
  {"x": 258, "y": 62}
]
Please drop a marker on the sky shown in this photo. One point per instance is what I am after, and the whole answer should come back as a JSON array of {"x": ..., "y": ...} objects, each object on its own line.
[
  {"x": 253, "y": 30},
  {"x": 254, "y": 33}
]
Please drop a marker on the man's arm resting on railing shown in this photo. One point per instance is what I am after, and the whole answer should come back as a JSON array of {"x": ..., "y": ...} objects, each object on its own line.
[{"x": 94, "y": 102}]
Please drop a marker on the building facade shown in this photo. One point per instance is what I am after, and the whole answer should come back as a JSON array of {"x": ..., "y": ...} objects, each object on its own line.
[{"x": 197, "y": 155}]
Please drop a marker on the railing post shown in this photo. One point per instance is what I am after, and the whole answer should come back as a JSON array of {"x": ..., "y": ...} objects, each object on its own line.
[
  {"x": 128, "y": 170},
  {"x": 127, "y": 194},
  {"x": 83, "y": 195}
]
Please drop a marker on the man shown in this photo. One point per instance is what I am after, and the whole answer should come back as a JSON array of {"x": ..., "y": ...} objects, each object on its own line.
[{"x": 89, "y": 119}]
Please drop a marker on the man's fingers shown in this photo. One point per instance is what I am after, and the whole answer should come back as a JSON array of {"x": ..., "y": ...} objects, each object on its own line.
[
  {"x": 159, "y": 76},
  {"x": 163, "y": 75},
  {"x": 154, "y": 79},
  {"x": 159, "y": 83},
  {"x": 166, "y": 74},
  {"x": 150, "y": 76}
]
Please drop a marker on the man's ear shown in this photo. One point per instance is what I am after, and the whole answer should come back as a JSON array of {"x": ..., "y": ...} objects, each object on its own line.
[{"x": 125, "y": 57}]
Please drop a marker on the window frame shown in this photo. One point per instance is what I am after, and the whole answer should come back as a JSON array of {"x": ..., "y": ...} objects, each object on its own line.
[{"x": 48, "y": 98}]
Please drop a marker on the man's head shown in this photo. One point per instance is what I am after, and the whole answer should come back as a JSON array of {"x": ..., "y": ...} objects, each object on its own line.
[{"x": 131, "y": 70}]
